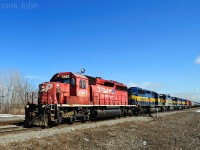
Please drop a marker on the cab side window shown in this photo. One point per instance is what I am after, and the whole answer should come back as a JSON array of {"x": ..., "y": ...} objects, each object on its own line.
[
  {"x": 73, "y": 83},
  {"x": 82, "y": 84}
]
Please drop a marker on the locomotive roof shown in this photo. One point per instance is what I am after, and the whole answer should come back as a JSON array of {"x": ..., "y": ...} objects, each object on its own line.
[
  {"x": 99, "y": 80},
  {"x": 68, "y": 73},
  {"x": 79, "y": 75},
  {"x": 92, "y": 80},
  {"x": 145, "y": 90}
]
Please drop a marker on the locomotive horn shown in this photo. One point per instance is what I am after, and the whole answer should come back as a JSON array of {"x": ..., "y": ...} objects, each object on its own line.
[{"x": 82, "y": 71}]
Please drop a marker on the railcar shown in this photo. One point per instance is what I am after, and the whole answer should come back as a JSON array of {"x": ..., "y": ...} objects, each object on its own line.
[
  {"x": 188, "y": 103},
  {"x": 176, "y": 102},
  {"x": 69, "y": 97},
  {"x": 195, "y": 104},
  {"x": 180, "y": 103},
  {"x": 183, "y": 103},
  {"x": 167, "y": 102},
  {"x": 144, "y": 99}
]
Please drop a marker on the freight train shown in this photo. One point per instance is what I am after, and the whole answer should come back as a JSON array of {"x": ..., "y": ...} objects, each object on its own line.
[{"x": 70, "y": 97}]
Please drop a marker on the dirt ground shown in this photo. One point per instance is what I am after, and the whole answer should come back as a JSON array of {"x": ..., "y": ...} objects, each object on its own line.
[{"x": 180, "y": 131}]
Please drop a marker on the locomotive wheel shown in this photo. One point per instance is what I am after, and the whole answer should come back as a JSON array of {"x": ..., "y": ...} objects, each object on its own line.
[
  {"x": 27, "y": 124},
  {"x": 53, "y": 123},
  {"x": 44, "y": 123},
  {"x": 71, "y": 120},
  {"x": 83, "y": 119},
  {"x": 137, "y": 111},
  {"x": 131, "y": 113}
]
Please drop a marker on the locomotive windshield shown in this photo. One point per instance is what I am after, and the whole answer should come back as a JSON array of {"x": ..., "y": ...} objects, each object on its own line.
[
  {"x": 62, "y": 80},
  {"x": 133, "y": 91},
  {"x": 70, "y": 81}
]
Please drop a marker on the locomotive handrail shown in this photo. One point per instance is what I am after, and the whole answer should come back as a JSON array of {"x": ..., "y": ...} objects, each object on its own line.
[{"x": 29, "y": 95}]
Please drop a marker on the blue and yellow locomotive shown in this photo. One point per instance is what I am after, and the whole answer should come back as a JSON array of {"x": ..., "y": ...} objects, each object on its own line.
[
  {"x": 167, "y": 102},
  {"x": 144, "y": 99}
]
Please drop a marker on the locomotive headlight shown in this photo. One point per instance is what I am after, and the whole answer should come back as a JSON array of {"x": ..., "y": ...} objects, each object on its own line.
[
  {"x": 27, "y": 106},
  {"x": 41, "y": 88}
]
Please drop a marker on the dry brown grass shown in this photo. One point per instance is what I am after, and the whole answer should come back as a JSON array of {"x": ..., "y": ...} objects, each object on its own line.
[{"x": 15, "y": 111}]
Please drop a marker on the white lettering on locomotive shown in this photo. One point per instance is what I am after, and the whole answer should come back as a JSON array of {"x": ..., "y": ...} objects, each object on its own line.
[
  {"x": 65, "y": 76},
  {"x": 105, "y": 90},
  {"x": 48, "y": 87},
  {"x": 82, "y": 93}
]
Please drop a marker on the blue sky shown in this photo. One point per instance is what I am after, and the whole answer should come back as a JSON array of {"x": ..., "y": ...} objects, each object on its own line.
[{"x": 153, "y": 44}]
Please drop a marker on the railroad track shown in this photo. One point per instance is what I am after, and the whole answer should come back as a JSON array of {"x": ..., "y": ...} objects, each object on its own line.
[
  {"x": 15, "y": 129},
  {"x": 10, "y": 129},
  {"x": 11, "y": 122}
]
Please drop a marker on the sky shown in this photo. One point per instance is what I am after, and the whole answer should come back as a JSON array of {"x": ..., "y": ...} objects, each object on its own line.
[{"x": 153, "y": 44}]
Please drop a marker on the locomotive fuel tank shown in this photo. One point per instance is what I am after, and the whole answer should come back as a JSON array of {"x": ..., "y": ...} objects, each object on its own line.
[{"x": 107, "y": 113}]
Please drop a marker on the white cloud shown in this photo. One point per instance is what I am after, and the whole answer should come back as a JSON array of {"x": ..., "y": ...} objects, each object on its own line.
[
  {"x": 147, "y": 85},
  {"x": 197, "y": 61},
  {"x": 133, "y": 85},
  {"x": 196, "y": 90}
]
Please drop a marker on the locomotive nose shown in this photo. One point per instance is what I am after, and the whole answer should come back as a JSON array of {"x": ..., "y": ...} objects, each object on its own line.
[{"x": 45, "y": 87}]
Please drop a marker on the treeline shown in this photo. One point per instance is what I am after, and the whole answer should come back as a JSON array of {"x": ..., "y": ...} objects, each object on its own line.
[{"x": 13, "y": 87}]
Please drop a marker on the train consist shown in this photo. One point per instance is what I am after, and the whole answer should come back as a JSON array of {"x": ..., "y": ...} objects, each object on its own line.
[
  {"x": 70, "y": 97},
  {"x": 143, "y": 98}
]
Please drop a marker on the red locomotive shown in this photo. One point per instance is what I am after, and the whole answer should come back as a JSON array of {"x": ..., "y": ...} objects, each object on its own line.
[{"x": 70, "y": 96}]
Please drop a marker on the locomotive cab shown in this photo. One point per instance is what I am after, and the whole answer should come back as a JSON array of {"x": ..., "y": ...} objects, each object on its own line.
[
  {"x": 64, "y": 88},
  {"x": 57, "y": 98}
]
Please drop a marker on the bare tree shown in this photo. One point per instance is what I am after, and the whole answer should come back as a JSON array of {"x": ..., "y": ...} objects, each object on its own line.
[{"x": 13, "y": 87}]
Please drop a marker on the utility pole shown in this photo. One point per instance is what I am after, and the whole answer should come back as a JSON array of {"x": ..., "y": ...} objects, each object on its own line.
[{"x": 2, "y": 101}]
